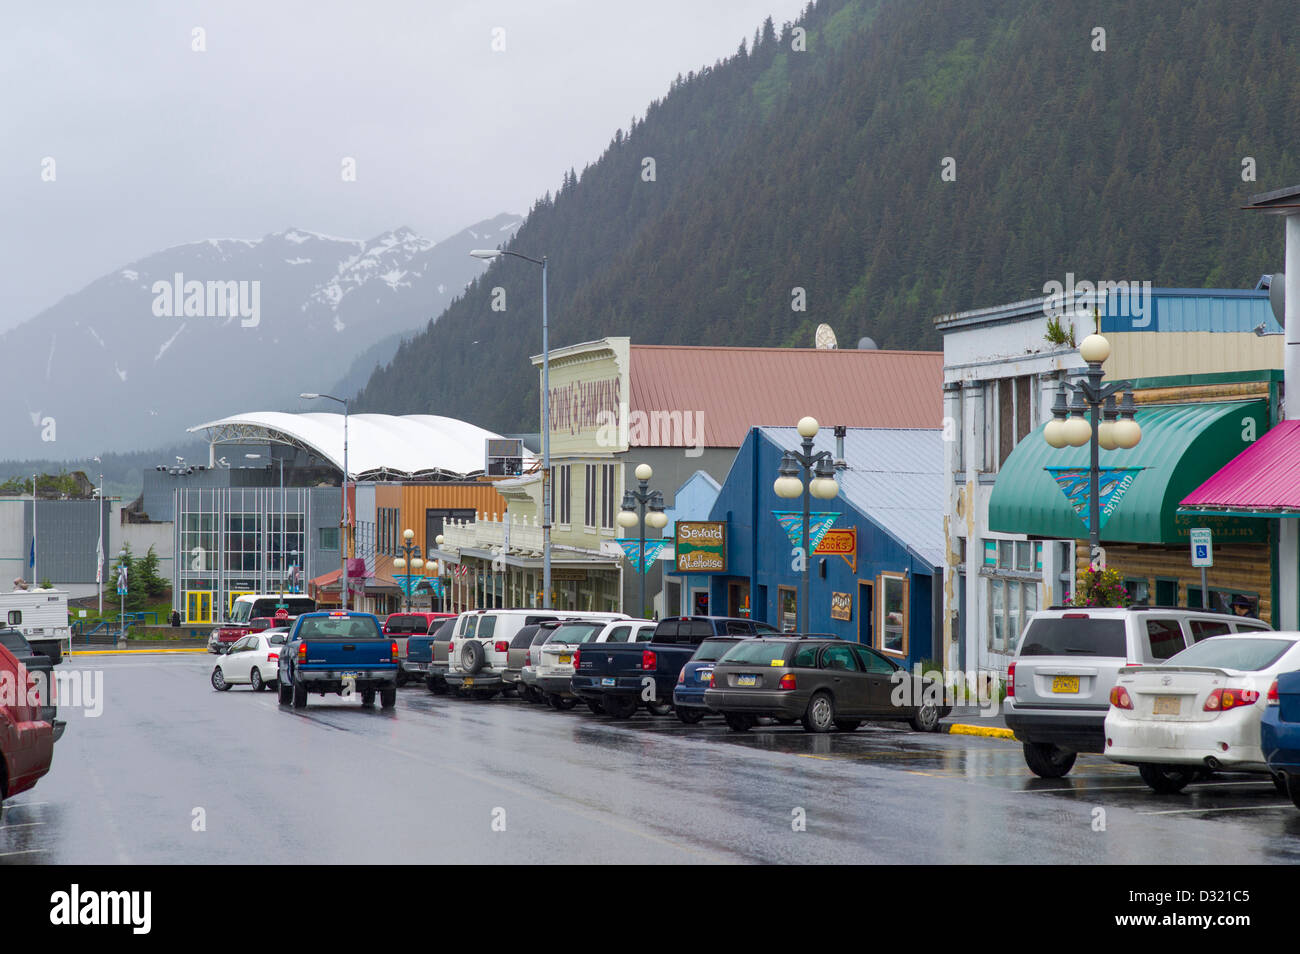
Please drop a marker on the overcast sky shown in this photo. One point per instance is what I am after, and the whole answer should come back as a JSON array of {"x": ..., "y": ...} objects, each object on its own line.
[{"x": 155, "y": 144}]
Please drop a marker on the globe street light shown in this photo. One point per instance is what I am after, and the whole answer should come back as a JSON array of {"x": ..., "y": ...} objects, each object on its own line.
[
  {"x": 633, "y": 514},
  {"x": 823, "y": 486},
  {"x": 492, "y": 253},
  {"x": 410, "y": 560},
  {"x": 1112, "y": 425},
  {"x": 343, "y": 545},
  {"x": 438, "y": 541}
]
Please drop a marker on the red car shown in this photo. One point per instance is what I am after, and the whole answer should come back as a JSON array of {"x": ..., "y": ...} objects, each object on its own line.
[
  {"x": 401, "y": 626},
  {"x": 26, "y": 743}
]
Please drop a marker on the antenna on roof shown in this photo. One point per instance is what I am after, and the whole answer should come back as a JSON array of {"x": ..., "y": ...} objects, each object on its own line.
[
  {"x": 825, "y": 339},
  {"x": 867, "y": 344}
]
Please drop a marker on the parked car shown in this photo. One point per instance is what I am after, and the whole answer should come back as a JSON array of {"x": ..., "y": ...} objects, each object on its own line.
[
  {"x": 26, "y": 739},
  {"x": 1201, "y": 709},
  {"x": 426, "y": 656},
  {"x": 694, "y": 679},
  {"x": 825, "y": 682},
  {"x": 561, "y": 652},
  {"x": 402, "y": 626},
  {"x": 623, "y": 676},
  {"x": 335, "y": 651},
  {"x": 252, "y": 661},
  {"x": 516, "y": 657},
  {"x": 1280, "y": 731},
  {"x": 41, "y": 666},
  {"x": 528, "y": 688},
  {"x": 477, "y": 656},
  {"x": 1066, "y": 663}
]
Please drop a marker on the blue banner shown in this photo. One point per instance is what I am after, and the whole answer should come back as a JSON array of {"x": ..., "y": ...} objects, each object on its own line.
[
  {"x": 818, "y": 525},
  {"x": 632, "y": 548},
  {"x": 1112, "y": 484}
]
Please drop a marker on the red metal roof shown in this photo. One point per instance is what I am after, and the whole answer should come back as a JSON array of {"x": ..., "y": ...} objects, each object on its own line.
[
  {"x": 1265, "y": 476},
  {"x": 730, "y": 390}
]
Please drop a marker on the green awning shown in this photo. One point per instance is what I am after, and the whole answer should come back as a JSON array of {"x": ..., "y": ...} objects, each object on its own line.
[{"x": 1182, "y": 446}]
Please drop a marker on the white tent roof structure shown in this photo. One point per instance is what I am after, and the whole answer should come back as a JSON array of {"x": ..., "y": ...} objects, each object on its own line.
[{"x": 379, "y": 445}]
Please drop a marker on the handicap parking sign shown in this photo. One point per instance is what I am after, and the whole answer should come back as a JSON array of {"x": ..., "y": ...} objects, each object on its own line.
[{"x": 1202, "y": 548}]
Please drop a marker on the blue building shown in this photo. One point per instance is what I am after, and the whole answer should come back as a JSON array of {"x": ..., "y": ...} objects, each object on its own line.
[{"x": 876, "y": 578}]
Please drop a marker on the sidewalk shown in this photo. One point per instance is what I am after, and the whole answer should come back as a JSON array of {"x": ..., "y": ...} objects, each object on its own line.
[{"x": 972, "y": 720}]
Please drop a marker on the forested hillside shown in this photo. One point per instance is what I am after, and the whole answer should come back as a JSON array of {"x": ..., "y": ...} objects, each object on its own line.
[{"x": 821, "y": 169}]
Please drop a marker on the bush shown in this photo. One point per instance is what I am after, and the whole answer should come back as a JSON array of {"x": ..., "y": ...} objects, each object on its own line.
[{"x": 1099, "y": 588}]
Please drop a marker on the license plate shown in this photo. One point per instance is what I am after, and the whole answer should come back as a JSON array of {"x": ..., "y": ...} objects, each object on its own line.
[
  {"x": 469, "y": 681},
  {"x": 747, "y": 680},
  {"x": 1065, "y": 683},
  {"x": 704, "y": 675},
  {"x": 566, "y": 660},
  {"x": 1166, "y": 705},
  {"x": 607, "y": 682},
  {"x": 350, "y": 675}
]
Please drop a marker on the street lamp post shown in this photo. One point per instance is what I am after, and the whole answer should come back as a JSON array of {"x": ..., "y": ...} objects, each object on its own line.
[
  {"x": 410, "y": 560},
  {"x": 488, "y": 254},
  {"x": 442, "y": 600},
  {"x": 822, "y": 485},
  {"x": 99, "y": 548},
  {"x": 633, "y": 514},
  {"x": 343, "y": 545},
  {"x": 1111, "y": 426}
]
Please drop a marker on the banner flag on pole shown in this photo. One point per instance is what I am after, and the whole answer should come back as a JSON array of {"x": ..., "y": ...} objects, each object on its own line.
[
  {"x": 818, "y": 524},
  {"x": 632, "y": 548},
  {"x": 1112, "y": 484}
]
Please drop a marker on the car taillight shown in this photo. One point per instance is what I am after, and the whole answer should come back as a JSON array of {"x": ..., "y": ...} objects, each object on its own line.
[
  {"x": 1223, "y": 699},
  {"x": 1011, "y": 680},
  {"x": 1074, "y": 616},
  {"x": 681, "y": 676},
  {"x": 502, "y": 646},
  {"x": 713, "y": 679},
  {"x": 577, "y": 655},
  {"x": 302, "y": 651},
  {"x": 272, "y": 657},
  {"x": 394, "y": 649},
  {"x": 528, "y": 658},
  {"x": 648, "y": 659},
  {"x": 1272, "y": 694},
  {"x": 1119, "y": 698},
  {"x": 787, "y": 681},
  {"x": 451, "y": 648}
]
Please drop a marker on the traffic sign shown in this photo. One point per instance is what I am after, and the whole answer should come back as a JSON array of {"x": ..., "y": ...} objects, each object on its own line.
[{"x": 1202, "y": 547}]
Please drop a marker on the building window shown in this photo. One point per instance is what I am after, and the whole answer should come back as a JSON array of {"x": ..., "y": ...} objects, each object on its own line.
[
  {"x": 1139, "y": 591},
  {"x": 560, "y": 490},
  {"x": 589, "y": 498},
  {"x": 1010, "y": 416},
  {"x": 328, "y": 538},
  {"x": 1011, "y": 603},
  {"x": 787, "y": 609},
  {"x": 607, "y": 496},
  {"x": 893, "y": 614}
]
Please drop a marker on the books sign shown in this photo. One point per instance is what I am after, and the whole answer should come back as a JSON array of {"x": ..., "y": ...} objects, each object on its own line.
[
  {"x": 701, "y": 546},
  {"x": 843, "y": 543}
]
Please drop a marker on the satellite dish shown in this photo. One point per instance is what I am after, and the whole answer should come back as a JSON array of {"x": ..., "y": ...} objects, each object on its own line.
[
  {"x": 867, "y": 344},
  {"x": 1277, "y": 296},
  {"x": 825, "y": 340}
]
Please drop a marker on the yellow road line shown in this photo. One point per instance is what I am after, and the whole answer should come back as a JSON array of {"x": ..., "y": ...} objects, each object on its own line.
[
  {"x": 985, "y": 731},
  {"x": 116, "y": 652}
]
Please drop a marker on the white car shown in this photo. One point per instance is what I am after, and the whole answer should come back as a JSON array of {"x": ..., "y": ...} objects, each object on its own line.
[
  {"x": 1198, "y": 711},
  {"x": 251, "y": 661},
  {"x": 555, "y": 659}
]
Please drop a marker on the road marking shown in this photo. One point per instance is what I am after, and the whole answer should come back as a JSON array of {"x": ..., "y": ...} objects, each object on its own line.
[
  {"x": 123, "y": 652},
  {"x": 25, "y": 851},
  {"x": 21, "y": 825},
  {"x": 1235, "y": 808},
  {"x": 987, "y": 732}
]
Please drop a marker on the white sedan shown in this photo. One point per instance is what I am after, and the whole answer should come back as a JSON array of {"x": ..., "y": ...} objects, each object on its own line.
[
  {"x": 251, "y": 661},
  {"x": 1199, "y": 710}
]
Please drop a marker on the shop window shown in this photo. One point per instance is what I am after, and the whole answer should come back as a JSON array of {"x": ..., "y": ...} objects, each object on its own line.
[
  {"x": 893, "y": 614},
  {"x": 1011, "y": 603},
  {"x": 1025, "y": 556},
  {"x": 1166, "y": 592},
  {"x": 1139, "y": 591}
]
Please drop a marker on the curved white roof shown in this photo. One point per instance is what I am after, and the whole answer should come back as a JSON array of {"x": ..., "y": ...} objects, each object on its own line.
[{"x": 409, "y": 445}]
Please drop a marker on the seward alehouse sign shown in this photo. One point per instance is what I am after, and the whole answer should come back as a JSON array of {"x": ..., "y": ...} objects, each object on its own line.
[{"x": 701, "y": 547}]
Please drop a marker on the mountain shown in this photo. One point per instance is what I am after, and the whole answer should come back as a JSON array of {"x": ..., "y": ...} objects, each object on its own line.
[
  {"x": 162, "y": 344},
  {"x": 912, "y": 159}
]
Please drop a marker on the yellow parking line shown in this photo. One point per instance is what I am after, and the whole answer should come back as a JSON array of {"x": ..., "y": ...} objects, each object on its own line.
[
  {"x": 985, "y": 731},
  {"x": 117, "y": 652}
]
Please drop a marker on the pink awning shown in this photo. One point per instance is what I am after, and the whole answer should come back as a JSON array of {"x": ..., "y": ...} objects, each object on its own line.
[{"x": 1262, "y": 480}]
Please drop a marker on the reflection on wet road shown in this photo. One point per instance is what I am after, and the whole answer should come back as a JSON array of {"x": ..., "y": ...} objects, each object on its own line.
[{"x": 173, "y": 772}]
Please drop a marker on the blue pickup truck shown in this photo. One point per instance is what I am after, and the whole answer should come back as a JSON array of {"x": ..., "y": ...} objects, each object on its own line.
[{"x": 339, "y": 652}]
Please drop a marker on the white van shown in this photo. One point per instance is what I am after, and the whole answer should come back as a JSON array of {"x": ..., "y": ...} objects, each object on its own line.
[
  {"x": 41, "y": 616},
  {"x": 480, "y": 645}
]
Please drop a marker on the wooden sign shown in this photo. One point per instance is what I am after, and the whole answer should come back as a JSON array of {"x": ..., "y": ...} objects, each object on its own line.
[
  {"x": 842, "y": 606},
  {"x": 701, "y": 547},
  {"x": 843, "y": 543}
]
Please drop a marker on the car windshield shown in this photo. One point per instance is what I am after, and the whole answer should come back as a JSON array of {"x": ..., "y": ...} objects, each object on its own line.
[
  {"x": 711, "y": 650},
  {"x": 444, "y": 631},
  {"x": 1248, "y": 654},
  {"x": 405, "y": 625},
  {"x": 760, "y": 652},
  {"x": 358, "y": 627},
  {"x": 575, "y": 632},
  {"x": 1075, "y": 636}
]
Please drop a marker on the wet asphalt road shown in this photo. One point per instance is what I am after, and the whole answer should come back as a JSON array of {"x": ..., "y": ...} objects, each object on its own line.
[{"x": 428, "y": 782}]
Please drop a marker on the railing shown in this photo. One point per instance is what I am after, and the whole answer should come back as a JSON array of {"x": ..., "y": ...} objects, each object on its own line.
[{"x": 486, "y": 533}]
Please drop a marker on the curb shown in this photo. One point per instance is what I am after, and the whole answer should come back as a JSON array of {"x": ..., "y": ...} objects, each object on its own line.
[
  {"x": 984, "y": 731},
  {"x": 122, "y": 652}
]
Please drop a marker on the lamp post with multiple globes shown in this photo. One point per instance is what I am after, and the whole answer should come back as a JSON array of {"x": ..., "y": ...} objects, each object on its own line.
[
  {"x": 634, "y": 514},
  {"x": 794, "y": 481}
]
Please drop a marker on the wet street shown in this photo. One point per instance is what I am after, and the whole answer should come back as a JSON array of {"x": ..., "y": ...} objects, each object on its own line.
[{"x": 173, "y": 772}]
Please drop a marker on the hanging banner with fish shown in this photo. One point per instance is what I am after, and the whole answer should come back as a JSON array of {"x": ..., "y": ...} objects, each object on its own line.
[
  {"x": 818, "y": 525},
  {"x": 1112, "y": 484}
]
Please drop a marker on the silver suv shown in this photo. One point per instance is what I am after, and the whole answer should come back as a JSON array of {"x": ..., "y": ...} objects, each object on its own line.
[{"x": 1058, "y": 687}]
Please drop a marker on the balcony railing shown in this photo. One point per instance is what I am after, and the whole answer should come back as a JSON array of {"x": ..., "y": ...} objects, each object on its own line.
[{"x": 490, "y": 532}]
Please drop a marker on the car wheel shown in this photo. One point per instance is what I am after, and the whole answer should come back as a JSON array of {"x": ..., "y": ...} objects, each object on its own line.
[
  {"x": 401, "y": 678},
  {"x": 595, "y": 706},
  {"x": 299, "y": 695},
  {"x": 509, "y": 691},
  {"x": 689, "y": 716},
  {"x": 847, "y": 725},
  {"x": 367, "y": 697},
  {"x": 619, "y": 707},
  {"x": 1166, "y": 779},
  {"x": 472, "y": 657},
  {"x": 563, "y": 704},
  {"x": 284, "y": 692},
  {"x": 659, "y": 708},
  {"x": 1048, "y": 761},
  {"x": 388, "y": 697},
  {"x": 219, "y": 680},
  {"x": 1279, "y": 783},
  {"x": 739, "y": 722},
  {"x": 926, "y": 719},
  {"x": 486, "y": 694},
  {"x": 820, "y": 714},
  {"x": 255, "y": 680},
  {"x": 1293, "y": 789},
  {"x": 437, "y": 685}
]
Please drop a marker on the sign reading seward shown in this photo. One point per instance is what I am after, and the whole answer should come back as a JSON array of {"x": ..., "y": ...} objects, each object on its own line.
[
  {"x": 1112, "y": 484},
  {"x": 701, "y": 546}
]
